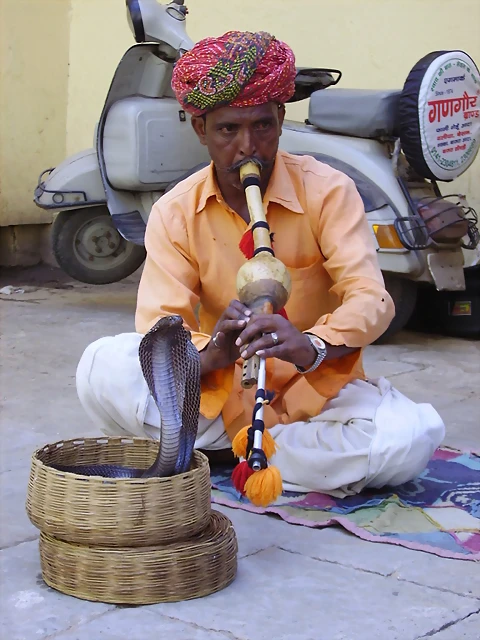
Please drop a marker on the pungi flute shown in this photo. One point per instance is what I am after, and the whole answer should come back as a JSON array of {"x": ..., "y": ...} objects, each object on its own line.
[{"x": 263, "y": 282}]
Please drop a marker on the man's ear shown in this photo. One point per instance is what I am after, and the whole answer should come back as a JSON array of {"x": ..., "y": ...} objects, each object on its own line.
[{"x": 199, "y": 123}]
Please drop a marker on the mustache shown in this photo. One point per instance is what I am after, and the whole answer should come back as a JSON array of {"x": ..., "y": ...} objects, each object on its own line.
[{"x": 261, "y": 164}]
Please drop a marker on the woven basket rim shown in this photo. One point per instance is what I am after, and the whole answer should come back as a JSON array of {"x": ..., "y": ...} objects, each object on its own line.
[
  {"x": 119, "y": 512},
  {"x": 199, "y": 457}
]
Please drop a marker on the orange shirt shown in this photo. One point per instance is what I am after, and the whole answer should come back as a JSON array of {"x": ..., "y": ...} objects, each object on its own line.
[{"x": 320, "y": 233}]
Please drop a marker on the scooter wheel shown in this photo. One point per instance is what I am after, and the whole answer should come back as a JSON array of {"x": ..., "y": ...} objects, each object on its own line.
[
  {"x": 88, "y": 247},
  {"x": 404, "y": 296}
]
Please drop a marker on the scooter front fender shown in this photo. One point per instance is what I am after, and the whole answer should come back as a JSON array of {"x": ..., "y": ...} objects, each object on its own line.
[{"x": 74, "y": 183}]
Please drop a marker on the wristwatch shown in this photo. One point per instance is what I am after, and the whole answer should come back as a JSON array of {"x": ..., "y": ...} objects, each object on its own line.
[{"x": 321, "y": 349}]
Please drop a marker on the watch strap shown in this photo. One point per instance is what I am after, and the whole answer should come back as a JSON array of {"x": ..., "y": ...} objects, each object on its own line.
[{"x": 321, "y": 354}]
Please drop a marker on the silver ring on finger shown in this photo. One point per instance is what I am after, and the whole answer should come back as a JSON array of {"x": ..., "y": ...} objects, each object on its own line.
[
  {"x": 214, "y": 340},
  {"x": 274, "y": 338}
]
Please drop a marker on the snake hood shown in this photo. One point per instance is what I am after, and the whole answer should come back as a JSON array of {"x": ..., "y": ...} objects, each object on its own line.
[{"x": 170, "y": 364}]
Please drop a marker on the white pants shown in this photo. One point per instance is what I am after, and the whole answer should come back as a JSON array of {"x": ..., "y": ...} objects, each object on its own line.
[{"x": 370, "y": 435}]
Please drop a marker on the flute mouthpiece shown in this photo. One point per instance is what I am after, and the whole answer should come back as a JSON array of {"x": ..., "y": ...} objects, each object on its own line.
[{"x": 250, "y": 169}]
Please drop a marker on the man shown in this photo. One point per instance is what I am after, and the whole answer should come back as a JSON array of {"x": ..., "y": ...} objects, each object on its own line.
[{"x": 336, "y": 432}]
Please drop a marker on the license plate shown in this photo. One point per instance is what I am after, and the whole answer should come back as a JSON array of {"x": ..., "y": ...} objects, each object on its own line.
[{"x": 446, "y": 269}]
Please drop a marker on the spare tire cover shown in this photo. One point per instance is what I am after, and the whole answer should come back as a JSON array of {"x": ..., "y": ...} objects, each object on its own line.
[{"x": 439, "y": 115}]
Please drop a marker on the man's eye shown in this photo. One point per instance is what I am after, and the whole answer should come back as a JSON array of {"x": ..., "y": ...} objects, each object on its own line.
[
  {"x": 263, "y": 126},
  {"x": 228, "y": 128}
]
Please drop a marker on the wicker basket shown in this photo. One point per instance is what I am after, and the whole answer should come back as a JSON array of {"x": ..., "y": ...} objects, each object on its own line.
[
  {"x": 116, "y": 512},
  {"x": 203, "y": 565}
]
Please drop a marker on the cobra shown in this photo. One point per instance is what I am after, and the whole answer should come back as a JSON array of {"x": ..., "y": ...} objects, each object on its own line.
[{"x": 171, "y": 367}]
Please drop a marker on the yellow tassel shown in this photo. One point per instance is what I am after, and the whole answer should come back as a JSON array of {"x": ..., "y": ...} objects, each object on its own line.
[
  {"x": 268, "y": 444},
  {"x": 239, "y": 444},
  {"x": 264, "y": 487},
  {"x": 240, "y": 441}
]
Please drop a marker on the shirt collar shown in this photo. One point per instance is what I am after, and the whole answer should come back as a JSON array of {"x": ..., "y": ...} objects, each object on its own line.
[
  {"x": 210, "y": 188},
  {"x": 280, "y": 188}
]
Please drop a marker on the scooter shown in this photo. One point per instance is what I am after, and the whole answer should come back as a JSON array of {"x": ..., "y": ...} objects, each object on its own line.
[{"x": 395, "y": 145}]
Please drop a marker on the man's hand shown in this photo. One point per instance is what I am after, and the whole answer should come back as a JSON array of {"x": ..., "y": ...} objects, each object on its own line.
[
  {"x": 292, "y": 346},
  {"x": 222, "y": 351}
]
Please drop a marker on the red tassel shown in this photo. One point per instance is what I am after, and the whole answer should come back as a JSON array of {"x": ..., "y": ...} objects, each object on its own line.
[
  {"x": 240, "y": 475},
  {"x": 246, "y": 244}
]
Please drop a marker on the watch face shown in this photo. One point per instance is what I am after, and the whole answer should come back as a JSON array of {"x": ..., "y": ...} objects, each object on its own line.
[{"x": 318, "y": 343}]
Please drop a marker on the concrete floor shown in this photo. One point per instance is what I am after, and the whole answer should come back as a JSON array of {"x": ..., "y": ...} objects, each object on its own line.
[{"x": 292, "y": 582}]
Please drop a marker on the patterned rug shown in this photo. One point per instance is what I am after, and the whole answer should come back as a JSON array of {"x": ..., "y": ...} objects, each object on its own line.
[{"x": 438, "y": 512}]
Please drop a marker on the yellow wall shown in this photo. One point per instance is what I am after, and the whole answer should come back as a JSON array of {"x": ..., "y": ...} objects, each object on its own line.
[
  {"x": 34, "y": 54},
  {"x": 99, "y": 36},
  {"x": 374, "y": 42}
]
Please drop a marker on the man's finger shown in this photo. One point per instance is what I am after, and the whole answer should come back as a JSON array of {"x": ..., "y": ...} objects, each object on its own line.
[
  {"x": 263, "y": 343},
  {"x": 227, "y": 326},
  {"x": 259, "y": 324},
  {"x": 273, "y": 352},
  {"x": 237, "y": 310}
]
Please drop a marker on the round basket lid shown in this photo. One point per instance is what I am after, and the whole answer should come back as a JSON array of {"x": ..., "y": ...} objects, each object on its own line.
[{"x": 439, "y": 115}]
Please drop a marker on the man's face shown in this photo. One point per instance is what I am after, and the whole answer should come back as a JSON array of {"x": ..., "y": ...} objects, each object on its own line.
[{"x": 234, "y": 134}]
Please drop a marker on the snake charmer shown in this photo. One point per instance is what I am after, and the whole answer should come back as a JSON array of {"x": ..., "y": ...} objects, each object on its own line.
[{"x": 336, "y": 430}]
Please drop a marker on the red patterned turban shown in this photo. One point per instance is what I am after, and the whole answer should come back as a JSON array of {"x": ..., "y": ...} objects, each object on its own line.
[{"x": 239, "y": 69}]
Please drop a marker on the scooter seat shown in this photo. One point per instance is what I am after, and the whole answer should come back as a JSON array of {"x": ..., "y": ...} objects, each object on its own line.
[{"x": 360, "y": 113}]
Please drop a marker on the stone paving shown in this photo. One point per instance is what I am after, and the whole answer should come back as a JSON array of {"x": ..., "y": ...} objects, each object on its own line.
[{"x": 292, "y": 582}]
